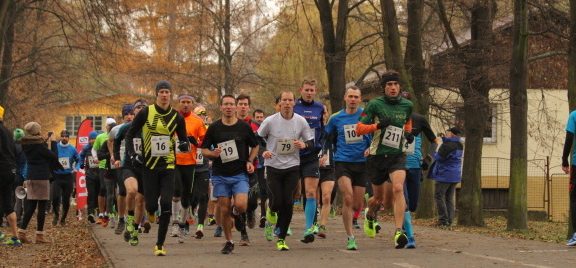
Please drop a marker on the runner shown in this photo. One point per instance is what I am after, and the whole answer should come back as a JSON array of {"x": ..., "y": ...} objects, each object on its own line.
[
  {"x": 158, "y": 124},
  {"x": 570, "y": 168},
  {"x": 90, "y": 165},
  {"x": 385, "y": 116},
  {"x": 106, "y": 195},
  {"x": 313, "y": 112},
  {"x": 350, "y": 159},
  {"x": 186, "y": 166},
  {"x": 282, "y": 132},
  {"x": 7, "y": 177},
  {"x": 231, "y": 139},
  {"x": 132, "y": 176},
  {"x": 63, "y": 180},
  {"x": 259, "y": 116}
]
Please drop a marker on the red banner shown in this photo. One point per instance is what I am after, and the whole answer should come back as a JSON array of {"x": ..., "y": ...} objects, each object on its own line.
[{"x": 81, "y": 140}]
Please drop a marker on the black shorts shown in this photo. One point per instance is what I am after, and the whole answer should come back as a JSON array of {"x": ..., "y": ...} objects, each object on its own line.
[
  {"x": 379, "y": 167},
  {"x": 327, "y": 174},
  {"x": 134, "y": 173},
  {"x": 310, "y": 169},
  {"x": 355, "y": 171},
  {"x": 6, "y": 192}
]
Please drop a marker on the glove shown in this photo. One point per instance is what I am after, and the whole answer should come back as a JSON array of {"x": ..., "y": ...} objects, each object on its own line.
[
  {"x": 565, "y": 162},
  {"x": 184, "y": 146},
  {"x": 137, "y": 160},
  {"x": 193, "y": 141},
  {"x": 384, "y": 122},
  {"x": 409, "y": 137},
  {"x": 425, "y": 165},
  {"x": 82, "y": 166}
]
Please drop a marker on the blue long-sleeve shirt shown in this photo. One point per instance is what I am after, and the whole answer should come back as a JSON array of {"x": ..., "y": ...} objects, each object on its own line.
[{"x": 68, "y": 158}]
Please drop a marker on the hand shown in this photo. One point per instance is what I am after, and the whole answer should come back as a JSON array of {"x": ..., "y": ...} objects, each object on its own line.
[
  {"x": 384, "y": 122},
  {"x": 323, "y": 160},
  {"x": 193, "y": 141},
  {"x": 217, "y": 151},
  {"x": 300, "y": 144},
  {"x": 566, "y": 169},
  {"x": 184, "y": 146},
  {"x": 117, "y": 163},
  {"x": 267, "y": 154},
  {"x": 409, "y": 137},
  {"x": 367, "y": 152},
  {"x": 249, "y": 167}
]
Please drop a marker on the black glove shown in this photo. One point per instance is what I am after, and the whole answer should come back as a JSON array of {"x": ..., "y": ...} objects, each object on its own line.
[
  {"x": 82, "y": 166},
  {"x": 425, "y": 165},
  {"x": 137, "y": 160},
  {"x": 184, "y": 146},
  {"x": 193, "y": 140},
  {"x": 409, "y": 137},
  {"x": 384, "y": 122},
  {"x": 565, "y": 162}
]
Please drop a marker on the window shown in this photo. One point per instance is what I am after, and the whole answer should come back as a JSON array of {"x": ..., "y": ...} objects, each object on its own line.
[
  {"x": 73, "y": 122},
  {"x": 490, "y": 130}
]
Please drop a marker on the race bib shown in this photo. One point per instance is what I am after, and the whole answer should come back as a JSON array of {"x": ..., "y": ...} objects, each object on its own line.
[
  {"x": 160, "y": 146},
  {"x": 350, "y": 135},
  {"x": 199, "y": 157},
  {"x": 285, "y": 146},
  {"x": 392, "y": 137},
  {"x": 137, "y": 145},
  {"x": 91, "y": 162},
  {"x": 65, "y": 162},
  {"x": 229, "y": 151},
  {"x": 409, "y": 148},
  {"x": 122, "y": 151}
]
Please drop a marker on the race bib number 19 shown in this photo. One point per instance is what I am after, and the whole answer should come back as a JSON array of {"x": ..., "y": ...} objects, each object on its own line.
[
  {"x": 285, "y": 146},
  {"x": 350, "y": 135},
  {"x": 229, "y": 151},
  {"x": 160, "y": 146},
  {"x": 392, "y": 137}
]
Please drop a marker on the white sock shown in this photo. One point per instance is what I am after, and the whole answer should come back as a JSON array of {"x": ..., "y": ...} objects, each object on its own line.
[{"x": 176, "y": 207}]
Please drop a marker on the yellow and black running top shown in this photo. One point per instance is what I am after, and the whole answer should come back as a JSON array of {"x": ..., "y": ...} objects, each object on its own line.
[{"x": 158, "y": 127}]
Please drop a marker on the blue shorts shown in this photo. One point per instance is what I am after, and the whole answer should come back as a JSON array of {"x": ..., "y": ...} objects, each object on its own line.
[{"x": 229, "y": 186}]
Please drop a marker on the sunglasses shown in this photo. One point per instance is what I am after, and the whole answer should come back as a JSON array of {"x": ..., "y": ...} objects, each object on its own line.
[{"x": 202, "y": 113}]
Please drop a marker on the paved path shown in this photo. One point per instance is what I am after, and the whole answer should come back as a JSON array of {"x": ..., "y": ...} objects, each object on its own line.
[{"x": 436, "y": 248}]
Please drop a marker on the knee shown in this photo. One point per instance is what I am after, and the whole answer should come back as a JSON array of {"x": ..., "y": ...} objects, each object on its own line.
[{"x": 398, "y": 189}]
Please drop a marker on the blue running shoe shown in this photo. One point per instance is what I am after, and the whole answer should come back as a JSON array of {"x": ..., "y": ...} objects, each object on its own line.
[
  {"x": 411, "y": 243},
  {"x": 572, "y": 241}
]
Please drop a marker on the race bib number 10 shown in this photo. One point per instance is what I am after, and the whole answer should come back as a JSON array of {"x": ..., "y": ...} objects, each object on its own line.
[
  {"x": 285, "y": 146},
  {"x": 229, "y": 151},
  {"x": 350, "y": 135},
  {"x": 160, "y": 146},
  {"x": 392, "y": 137}
]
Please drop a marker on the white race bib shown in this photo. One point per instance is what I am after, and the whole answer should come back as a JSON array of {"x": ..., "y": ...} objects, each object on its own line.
[
  {"x": 199, "y": 157},
  {"x": 137, "y": 145},
  {"x": 160, "y": 146},
  {"x": 409, "y": 148},
  {"x": 122, "y": 151},
  {"x": 65, "y": 162},
  {"x": 350, "y": 135},
  {"x": 285, "y": 146},
  {"x": 392, "y": 137},
  {"x": 91, "y": 162},
  {"x": 229, "y": 151}
]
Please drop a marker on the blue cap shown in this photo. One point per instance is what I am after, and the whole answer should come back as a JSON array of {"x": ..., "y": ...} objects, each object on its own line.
[{"x": 93, "y": 135}]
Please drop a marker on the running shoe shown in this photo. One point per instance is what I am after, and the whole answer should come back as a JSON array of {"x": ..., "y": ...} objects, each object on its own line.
[
  {"x": 120, "y": 227},
  {"x": 133, "y": 240},
  {"x": 105, "y": 221},
  {"x": 262, "y": 222},
  {"x": 322, "y": 231},
  {"x": 147, "y": 226},
  {"x": 315, "y": 229},
  {"x": 244, "y": 240},
  {"x": 91, "y": 218},
  {"x": 377, "y": 227},
  {"x": 281, "y": 245},
  {"x": 211, "y": 220},
  {"x": 126, "y": 235},
  {"x": 411, "y": 243},
  {"x": 159, "y": 251},
  {"x": 400, "y": 239},
  {"x": 308, "y": 236},
  {"x": 370, "y": 228},
  {"x": 13, "y": 242},
  {"x": 218, "y": 231},
  {"x": 99, "y": 220},
  {"x": 572, "y": 241},
  {"x": 355, "y": 224},
  {"x": 277, "y": 231},
  {"x": 175, "y": 230},
  {"x": 199, "y": 231},
  {"x": 228, "y": 248},
  {"x": 351, "y": 244},
  {"x": 272, "y": 217},
  {"x": 268, "y": 232}
]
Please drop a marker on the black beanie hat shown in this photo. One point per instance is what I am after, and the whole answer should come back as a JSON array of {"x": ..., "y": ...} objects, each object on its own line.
[
  {"x": 163, "y": 84},
  {"x": 389, "y": 76}
]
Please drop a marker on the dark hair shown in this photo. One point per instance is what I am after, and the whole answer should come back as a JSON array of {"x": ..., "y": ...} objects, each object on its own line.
[
  {"x": 226, "y": 96},
  {"x": 278, "y": 98},
  {"x": 141, "y": 102},
  {"x": 388, "y": 76},
  {"x": 243, "y": 97},
  {"x": 257, "y": 111}
]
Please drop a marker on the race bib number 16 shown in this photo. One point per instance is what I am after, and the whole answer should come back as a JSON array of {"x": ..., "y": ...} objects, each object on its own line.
[{"x": 160, "y": 146}]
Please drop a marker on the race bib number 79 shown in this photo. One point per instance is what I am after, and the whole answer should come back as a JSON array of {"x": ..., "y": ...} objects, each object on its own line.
[{"x": 285, "y": 146}]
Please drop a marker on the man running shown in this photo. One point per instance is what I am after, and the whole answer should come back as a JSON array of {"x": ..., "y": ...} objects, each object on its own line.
[
  {"x": 227, "y": 143},
  {"x": 259, "y": 116},
  {"x": 313, "y": 112},
  {"x": 285, "y": 133},
  {"x": 158, "y": 123},
  {"x": 569, "y": 167},
  {"x": 90, "y": 165},
  {"x": 385, "y": 117},
  {"x": 106, "y": 194},
  {"x": 63, "y": 178},
  {"x": 350, "y": 158}
]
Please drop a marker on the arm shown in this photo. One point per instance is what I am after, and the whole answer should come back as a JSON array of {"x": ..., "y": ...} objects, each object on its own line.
[
  {"x": 135, "y": 127},
  {"x": 568, "y": 142},
  {"x": 118, "y": 141}
]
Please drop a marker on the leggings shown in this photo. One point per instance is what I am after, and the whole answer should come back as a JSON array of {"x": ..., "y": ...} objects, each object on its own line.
[
  {"x": 183, "y": 184},
  {"x": 412, "y": 188},
  {"x": 572, "y": 195},
  {"x": 62, "y": 189},
  {"x": 263, "y": 187},
  {"x": 200, "y": 189},
  {"x": 93, "y": 185},
  {"x": 252, "y": 195},
  {"x": 282, "y": 184},
  {"x": 30, "y": 207},
  {"x": 159, "y": 183}
]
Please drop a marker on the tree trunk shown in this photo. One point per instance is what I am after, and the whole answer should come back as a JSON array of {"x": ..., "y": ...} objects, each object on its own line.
[
  {"x": 572, "y": 79},
  {"x": 7, "y": 62},
  {"x": 517, "y": 198},
  {"x": 334, "y": 49},
  {"x": 228, "y": 83}
]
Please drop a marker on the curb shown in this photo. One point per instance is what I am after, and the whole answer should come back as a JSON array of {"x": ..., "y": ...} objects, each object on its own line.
[{"x": 103, "y": 251}]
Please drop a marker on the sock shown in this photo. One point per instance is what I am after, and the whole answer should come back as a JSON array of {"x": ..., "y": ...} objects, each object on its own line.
[
  {"x": 310, "y": 211},
  {"x": 357, "y": 214},
  {"x": 175, "y": 211},
  {"x": 408, "y": 224},
  {"x": 350, "y": 237}
]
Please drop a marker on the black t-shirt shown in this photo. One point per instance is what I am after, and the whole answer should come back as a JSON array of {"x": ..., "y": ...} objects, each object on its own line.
[{"x": 239, "y": 134}]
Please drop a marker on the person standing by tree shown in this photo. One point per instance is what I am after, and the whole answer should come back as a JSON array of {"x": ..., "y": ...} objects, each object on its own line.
[{"x": 570, "y": 168}]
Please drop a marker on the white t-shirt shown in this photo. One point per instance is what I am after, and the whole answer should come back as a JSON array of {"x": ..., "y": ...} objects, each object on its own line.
[{"x": 279, "y": 134}]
